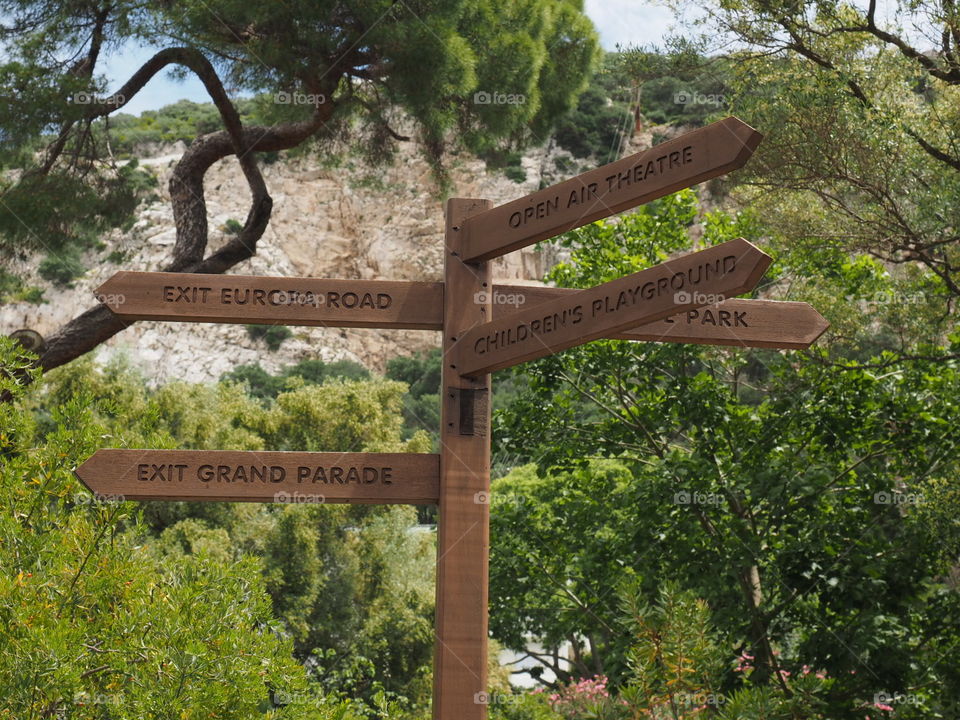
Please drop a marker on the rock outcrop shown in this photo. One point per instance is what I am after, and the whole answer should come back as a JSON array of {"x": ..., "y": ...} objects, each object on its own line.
[{"x": 351, "y": 221}]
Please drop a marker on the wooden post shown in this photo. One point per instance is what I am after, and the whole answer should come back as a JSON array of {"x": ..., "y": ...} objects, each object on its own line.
[{"x": 463, "y": 531}]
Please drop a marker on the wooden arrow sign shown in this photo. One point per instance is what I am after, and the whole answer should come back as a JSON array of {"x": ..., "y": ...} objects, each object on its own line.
[
  {"x": 273, "y": 300},
  {"x": 674, "y": 165},
  {"x": 410, "y": 478},
  {"x": 419, "y": 305},
  {"x": 682, "y": 284},
  {"x": 735, "y": 322}
]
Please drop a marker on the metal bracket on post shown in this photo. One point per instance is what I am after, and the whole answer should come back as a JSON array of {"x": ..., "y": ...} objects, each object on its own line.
[{"x": 471, "y": 406}]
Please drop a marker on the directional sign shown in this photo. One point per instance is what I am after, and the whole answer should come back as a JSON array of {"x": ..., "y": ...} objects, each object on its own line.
[
  {"x": 736, "y": 322},
  {"x": 674, "y": 165},
  {"x": 682, "y": 284},
  {"x": 294, "y": 477},
  {"x": 274, "y": 300},
  {"x": 419, "y": 305}
]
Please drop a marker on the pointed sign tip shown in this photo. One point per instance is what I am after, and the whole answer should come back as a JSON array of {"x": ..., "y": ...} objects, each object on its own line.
[
  {"x": 104, "y": 289},
  {"x": 79, "y": 475},
  {"x": 748, "y": 137}
]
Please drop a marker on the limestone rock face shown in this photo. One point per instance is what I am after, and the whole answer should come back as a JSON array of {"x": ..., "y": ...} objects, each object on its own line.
[{"x": 352, "y": 221}]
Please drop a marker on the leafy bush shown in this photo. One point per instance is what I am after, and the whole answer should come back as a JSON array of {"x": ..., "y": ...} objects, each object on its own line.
[
  {"x": 596, "y": 128},
  {"x": 264, "y": 386},
  {"x": 421, "y": 405},
  {"x": 232, "y": 227},
  {"x": 62, "y": 268},
  {"x": 272, "y": 335},
  {"x": 99, "y": 620},
  {"x": 12, "y": 289}
]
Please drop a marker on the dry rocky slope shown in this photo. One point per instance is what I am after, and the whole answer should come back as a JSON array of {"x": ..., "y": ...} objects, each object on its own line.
[{"x": 353, "y": 221}]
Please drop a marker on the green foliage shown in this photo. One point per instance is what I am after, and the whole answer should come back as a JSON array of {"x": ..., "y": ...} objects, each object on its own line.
[
  {"x": 12, "y": 290},
  {"x": 527, "y": 706},
  {"x": 860, "y": 127},
  {"x": 633, "y": 242},
  {"x": 64, "y": 215},
  {"x": 346, "y": 416},
  {"x": 674, "y": 658},
  {"x": 685, "y": 88},
  {"x": 62, "y": 268},
  {"x": 181, "y": 121},
  {"x": 232, "y": 227},
  {"x": 97, "y": 618},
  {"x": 421, "y": 404},
  {"x": 595, "y": 128},
  {"x": 517, "y": 174},
  {"x": 264, "y": 386},
  {"x": 272, "y": 335},
  {"x": 351, "y": 586},
  {"x": 676, "y": 664},
  {"x": 790, "y": 492}
]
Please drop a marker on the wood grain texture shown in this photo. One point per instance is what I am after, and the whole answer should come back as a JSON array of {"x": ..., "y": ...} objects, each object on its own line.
[
  {"x": 736, "y": 322},
  {"x": 680, "y": 284},
  {"x": 692, "y": 158},
  {"x": 463, "y": 530},
  {"x": 235, "y": 476},
  {"x": 773, "y": 324},
  {"x": 249, "y": 299}
]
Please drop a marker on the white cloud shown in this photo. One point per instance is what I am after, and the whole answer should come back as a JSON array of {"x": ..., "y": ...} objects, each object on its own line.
[{"x": 629, "y": 22}]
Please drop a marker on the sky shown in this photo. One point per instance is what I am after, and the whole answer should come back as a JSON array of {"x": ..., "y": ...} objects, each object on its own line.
[{"x": 619, "y": 22}]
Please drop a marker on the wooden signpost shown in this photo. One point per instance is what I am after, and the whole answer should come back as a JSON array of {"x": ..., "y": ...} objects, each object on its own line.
[{"x": 687, "y": 299}]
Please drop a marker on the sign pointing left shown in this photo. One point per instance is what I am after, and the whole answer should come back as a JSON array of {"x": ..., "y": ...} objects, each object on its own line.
[
  {"x": 189, "y": 297},
  {"x": 409, "y": 478}
]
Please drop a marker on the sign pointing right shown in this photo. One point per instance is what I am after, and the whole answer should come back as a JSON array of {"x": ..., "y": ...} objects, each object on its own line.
[
  {"x": 692, "y": 158},
  {"x": 737, "y": 322},
  {"x": 685, "y": 283}
]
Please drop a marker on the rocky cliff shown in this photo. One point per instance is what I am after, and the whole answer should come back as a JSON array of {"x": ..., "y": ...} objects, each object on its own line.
[{"x": 351, "y": 221}]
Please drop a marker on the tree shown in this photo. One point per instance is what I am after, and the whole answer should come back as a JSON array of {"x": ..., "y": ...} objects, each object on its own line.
[
  {"x": 332, "y": 72},
  {"x": 858, "y": 103},
  {"x": 789, "y": 493},
  {"x": 98, "y": 620},
  {"x": 350, "y": 585}
]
